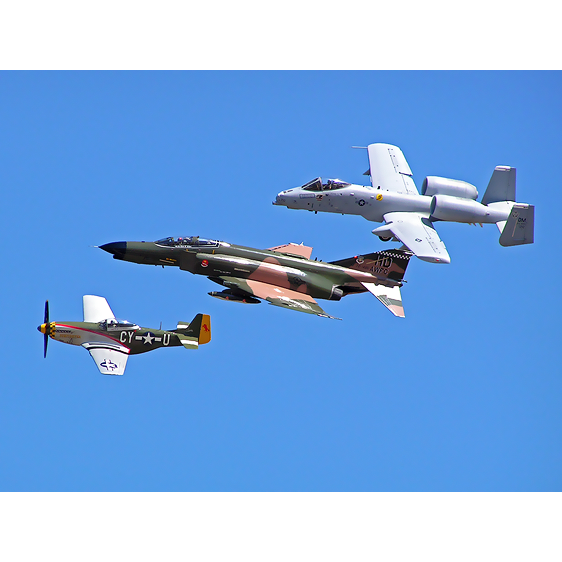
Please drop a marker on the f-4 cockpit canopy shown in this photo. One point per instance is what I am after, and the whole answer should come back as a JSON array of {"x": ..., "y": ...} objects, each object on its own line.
[
  {"x": 112, "y": 324},
  {"x": 186, "y": 241},
  {"x": 329, "y": 184}
]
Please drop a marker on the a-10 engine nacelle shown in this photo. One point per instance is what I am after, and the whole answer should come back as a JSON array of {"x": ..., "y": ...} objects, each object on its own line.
[
  {"x": 457, "y": 209},
  {"x": 434, "y": 185}
]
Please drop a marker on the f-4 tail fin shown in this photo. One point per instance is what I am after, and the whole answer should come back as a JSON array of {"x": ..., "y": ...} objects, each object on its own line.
[{"x": 387, "y": 264}]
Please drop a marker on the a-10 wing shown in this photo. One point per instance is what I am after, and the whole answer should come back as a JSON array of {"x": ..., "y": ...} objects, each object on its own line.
[
  {"x": 417, "y": 233},
  {"x": 389, "y": 170}
]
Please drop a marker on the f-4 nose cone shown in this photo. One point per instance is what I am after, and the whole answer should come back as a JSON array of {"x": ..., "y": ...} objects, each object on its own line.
[{"x": 115, "y": 248}]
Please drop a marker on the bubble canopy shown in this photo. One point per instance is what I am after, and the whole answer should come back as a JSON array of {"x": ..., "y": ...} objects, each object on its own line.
[
  {"x": 185, "y": 241},
  {"x": 329, "y": 184},
  {"x": 117, "y": 324}
]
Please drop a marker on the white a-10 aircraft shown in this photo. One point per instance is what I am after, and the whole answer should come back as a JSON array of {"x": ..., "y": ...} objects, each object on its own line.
[{"x": 408, "y": 216}]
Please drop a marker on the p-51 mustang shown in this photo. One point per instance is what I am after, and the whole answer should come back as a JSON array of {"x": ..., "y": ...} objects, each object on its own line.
[
  {"x": 409, "y": 216},
  {"x": 284, "y": 276},
  {"x": 110, "y": 341}
]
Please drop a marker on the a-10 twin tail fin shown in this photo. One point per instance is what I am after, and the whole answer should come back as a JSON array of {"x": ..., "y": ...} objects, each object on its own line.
[{"x": 519, "y": 228}]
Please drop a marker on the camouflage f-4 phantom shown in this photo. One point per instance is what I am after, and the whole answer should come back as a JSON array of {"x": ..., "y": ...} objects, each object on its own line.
[
  {"x": 284, "y": 275},
  {"x": 110, "y": 341}
]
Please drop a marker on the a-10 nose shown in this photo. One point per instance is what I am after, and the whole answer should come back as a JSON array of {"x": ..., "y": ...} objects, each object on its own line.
[{"x": 280, "y": 199}]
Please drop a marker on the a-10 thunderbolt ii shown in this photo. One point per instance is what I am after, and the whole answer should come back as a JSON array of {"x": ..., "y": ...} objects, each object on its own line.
[
  {"x": 110, "y": 341},
  {"x": 284, "y": 276},
  {"x": 408, "y": 216}
]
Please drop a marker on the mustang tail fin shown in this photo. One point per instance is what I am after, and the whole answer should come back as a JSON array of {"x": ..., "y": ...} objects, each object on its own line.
[{"x": 196, "y": 333}]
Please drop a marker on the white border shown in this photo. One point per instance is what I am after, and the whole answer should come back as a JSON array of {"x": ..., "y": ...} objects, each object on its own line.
[
  {"x": 304, "y": 34},
  {"x": 280, "y": 526}
]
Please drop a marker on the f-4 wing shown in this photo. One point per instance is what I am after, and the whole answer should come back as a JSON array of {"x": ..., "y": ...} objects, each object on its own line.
[
  {"x": 110, "y": 359},
  {"x": 417, "y": 233},
  {"x": 277, "y": 296},
  {"x": 293, "y": 249}
]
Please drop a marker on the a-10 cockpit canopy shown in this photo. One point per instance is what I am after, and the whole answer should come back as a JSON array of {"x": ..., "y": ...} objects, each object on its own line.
[
  {"x": 112, "y": 324},
  {"x": 186, "y": 241},
  {"x": 319, "y": 185}
]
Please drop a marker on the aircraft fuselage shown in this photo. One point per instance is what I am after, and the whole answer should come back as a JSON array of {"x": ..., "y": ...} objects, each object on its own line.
[
  {"x": 138, "y": 340},
  {"x": 372, "y": 203},
  {"x": 221, "y": 260}
]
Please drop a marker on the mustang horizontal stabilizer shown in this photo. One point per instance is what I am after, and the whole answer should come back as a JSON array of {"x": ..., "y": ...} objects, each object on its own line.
[
  {"x": 417, "y": 233},
  {"x": 110, "y": 360},
  {"x": 96, "y": 309},
  {"x": 389, "y": 296},
  {"x": 277, "y": 296},
  {"x": 389, "y": 169}
]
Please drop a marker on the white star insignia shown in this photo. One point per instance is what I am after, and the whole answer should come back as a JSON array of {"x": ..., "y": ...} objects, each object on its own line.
[{"x": 148, "y": 338}]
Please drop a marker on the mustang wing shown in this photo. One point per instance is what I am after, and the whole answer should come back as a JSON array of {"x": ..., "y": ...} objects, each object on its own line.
[
  {"x": 96, "y": 309},
  {"x": 277, "y": 295},
  {"x": 417, "y": 233},
  {"x": 389, "y": 170},
  {"x": 110, "y": 359}
]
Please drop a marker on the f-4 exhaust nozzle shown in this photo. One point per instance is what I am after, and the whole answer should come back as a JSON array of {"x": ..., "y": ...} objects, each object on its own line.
[{"x": 228, "y": 296}]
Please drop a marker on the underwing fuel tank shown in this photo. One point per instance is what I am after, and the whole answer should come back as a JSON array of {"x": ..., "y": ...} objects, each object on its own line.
[{"x": 228, "y": 296}]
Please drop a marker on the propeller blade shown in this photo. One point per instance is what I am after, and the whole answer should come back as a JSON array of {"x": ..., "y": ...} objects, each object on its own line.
[{"x": 47, "y": 329}]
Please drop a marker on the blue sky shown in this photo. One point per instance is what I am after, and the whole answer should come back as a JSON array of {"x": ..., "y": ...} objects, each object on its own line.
[{"x": 462, "y": 395}]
